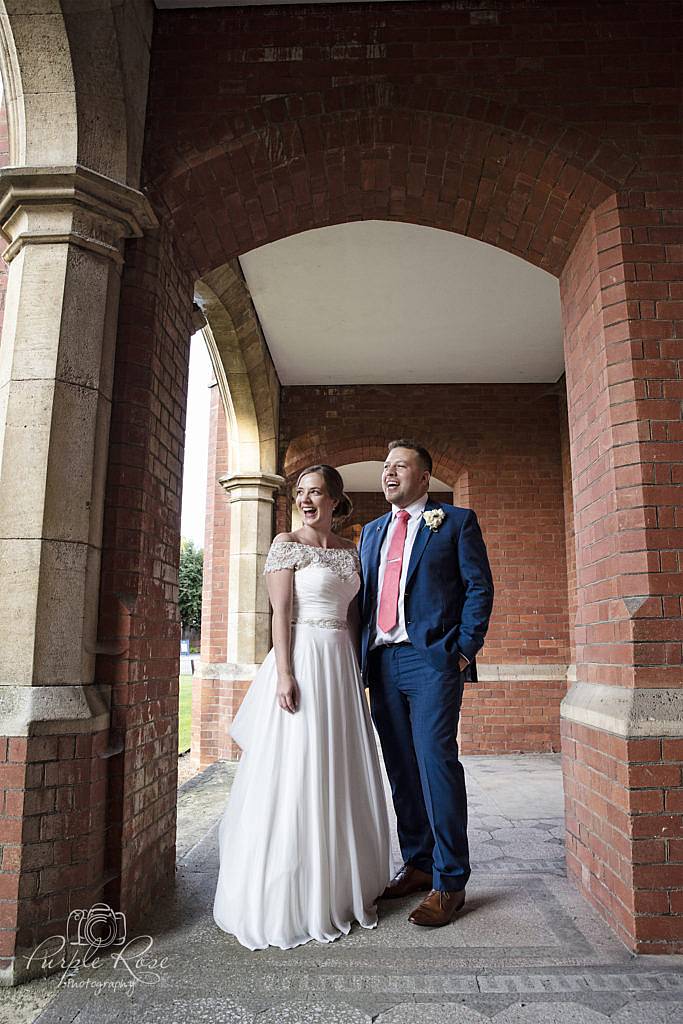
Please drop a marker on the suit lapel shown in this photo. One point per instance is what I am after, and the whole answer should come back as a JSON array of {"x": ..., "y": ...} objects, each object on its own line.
[
  {"x": 375, "y": 541},
  {"x": 421, "y": 542}
]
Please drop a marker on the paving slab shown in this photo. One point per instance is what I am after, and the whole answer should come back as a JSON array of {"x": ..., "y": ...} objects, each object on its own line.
[{"x": 526, "y": 950}]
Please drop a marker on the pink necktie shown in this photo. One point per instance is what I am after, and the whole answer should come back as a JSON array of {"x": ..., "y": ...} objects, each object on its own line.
[{"x": 388, "y": 602}]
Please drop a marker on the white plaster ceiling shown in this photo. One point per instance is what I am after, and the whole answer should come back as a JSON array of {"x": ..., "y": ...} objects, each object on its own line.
[
  {"x": 367, "y": 476},
  {"x": 385, "y": 302}
]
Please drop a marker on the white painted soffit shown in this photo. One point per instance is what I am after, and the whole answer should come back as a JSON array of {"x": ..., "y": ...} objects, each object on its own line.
[
  {"x": 367, "y": 476},
  {"x": 381, "y": 302}
]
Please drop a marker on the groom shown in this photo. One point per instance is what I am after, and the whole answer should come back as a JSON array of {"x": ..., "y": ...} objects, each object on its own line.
[{"x": 425, "y": 606}]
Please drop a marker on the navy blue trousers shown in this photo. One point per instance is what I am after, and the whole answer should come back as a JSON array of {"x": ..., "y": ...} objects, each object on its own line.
[{"x": 415, "y": 709}]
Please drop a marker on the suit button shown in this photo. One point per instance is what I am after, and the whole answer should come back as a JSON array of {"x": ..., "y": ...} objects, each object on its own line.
[{"x": 409, "y": 622}]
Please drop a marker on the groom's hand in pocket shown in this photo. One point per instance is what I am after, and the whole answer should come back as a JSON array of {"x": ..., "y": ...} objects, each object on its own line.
[{"x": 287, "y": 694}]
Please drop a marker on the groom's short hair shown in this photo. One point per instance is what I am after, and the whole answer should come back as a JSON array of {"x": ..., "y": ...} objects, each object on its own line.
[{"x": 423, "y": 454}]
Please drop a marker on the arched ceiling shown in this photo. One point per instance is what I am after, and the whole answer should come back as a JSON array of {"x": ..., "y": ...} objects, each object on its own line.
[{"x": 373, "y": 302}]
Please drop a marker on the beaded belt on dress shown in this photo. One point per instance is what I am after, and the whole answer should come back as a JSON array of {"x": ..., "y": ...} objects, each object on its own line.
[{"x": 322, "y": 623}]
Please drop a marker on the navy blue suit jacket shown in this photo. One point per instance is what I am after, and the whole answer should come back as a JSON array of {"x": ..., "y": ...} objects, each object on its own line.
[{"x": 449, "y": 588}]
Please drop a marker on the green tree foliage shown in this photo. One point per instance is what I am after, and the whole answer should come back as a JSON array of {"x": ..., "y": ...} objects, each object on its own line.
[{"x": 190, "y": 578}]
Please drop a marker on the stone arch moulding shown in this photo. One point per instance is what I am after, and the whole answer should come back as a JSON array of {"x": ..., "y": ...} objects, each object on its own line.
[
  {"x": 449, "y": 160},
  {"x": 29, "y": 84},
  {"x": 63, "y": 107},
  {"x": 238, "y": 626},
  {"x": 245, "y": 374}
]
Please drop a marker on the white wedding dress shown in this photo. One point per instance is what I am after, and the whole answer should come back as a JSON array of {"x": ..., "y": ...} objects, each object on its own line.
[{"x": 304, "y": 840}]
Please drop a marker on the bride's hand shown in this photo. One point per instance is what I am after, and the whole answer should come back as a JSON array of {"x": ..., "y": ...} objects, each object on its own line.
[{"x": 287, "y": 694}]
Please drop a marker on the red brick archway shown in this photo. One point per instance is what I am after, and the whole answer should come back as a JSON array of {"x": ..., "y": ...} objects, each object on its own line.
[
  {"x": 305, "y": 449},
  {"x": 561, "y": 200},
  {"x": 331, "y": 447},
  {"x": 583, "y": 210},
  {"x": 449, "y": 160}
]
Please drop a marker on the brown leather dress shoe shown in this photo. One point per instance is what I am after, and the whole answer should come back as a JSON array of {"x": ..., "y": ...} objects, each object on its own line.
[
  {"x": 408, "y": 880},
  {"x": 438, "y": 908}
]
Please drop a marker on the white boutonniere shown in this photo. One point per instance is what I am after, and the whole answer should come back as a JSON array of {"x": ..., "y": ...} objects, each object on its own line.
[{"x": 434, "y": 518}]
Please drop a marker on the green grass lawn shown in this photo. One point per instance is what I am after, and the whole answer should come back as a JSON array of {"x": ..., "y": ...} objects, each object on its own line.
[{"x": 184, "y": 713}]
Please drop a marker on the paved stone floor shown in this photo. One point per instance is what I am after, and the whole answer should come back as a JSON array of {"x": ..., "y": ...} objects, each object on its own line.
[{"x": 527, "y": 950}]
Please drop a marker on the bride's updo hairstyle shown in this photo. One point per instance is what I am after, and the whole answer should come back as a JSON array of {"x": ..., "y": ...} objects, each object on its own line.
[{"x": 335, "y": 488}]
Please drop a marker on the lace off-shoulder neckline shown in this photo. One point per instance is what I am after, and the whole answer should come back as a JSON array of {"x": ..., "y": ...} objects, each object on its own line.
[
  {"x": 313, "y": 547},
  {"x": 294, "y": 554}
]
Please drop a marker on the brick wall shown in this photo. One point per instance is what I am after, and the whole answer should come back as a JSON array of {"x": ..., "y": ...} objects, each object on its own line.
[
  {"x": 625, "y": 832},
  {"x": 607, "y": 69},
  {"x": 509, "y": 129},
  {"x": 508, "y": 464},
  {"x": 139, "y": 617},
  {"x": 623, "y": 798},
  {"x": 216, "y": 538},
  {"x": 53, "y": 814},
  {"x": 570, "y": 539},
  {"x": 369, "y": 505},
  {"x": 499, "y": 446},
  {"x": 623, "y": 375},
  {"x": 507, "y": 437}
]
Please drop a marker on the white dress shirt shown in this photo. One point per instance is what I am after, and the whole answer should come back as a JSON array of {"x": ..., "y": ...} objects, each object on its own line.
[{"x": 399, "y": 633}]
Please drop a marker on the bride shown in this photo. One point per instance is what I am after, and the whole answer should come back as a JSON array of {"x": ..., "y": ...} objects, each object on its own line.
[{"x": 304, "y": 840}]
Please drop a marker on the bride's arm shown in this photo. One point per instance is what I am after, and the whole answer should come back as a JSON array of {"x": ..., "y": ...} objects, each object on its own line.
[{"x": 280, "y": 594}]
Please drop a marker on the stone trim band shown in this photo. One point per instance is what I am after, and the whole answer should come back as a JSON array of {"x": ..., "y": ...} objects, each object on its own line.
[{"x": 626, "y": 712}]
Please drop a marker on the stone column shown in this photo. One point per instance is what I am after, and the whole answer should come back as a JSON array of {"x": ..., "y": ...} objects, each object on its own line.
[
  {"x": 251, "y": 532},
  {"x": 65, "y": 227},
  {"x": 248, "y": 622}
]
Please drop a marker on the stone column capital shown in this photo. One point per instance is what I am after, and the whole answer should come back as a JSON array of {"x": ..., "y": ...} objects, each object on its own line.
[
  {"x": 251, "y": 486},
  {"x": 49, "y": 205}
]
